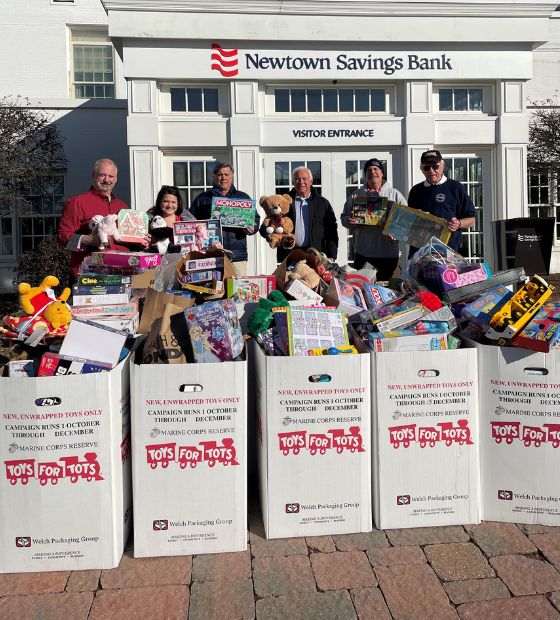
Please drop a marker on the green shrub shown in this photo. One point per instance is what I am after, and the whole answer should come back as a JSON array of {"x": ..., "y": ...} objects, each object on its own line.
[{"x": 47, "y": 259}]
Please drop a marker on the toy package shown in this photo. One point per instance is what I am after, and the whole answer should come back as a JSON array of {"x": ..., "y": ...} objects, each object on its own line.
[
  {"x": 370, "y": 210},
  {"x": 114, "y": 258},
  {"x": 132, "y": 225},
  {"x": 304, "y": 328},
  {"x": 54, "y": 365},
  {"x": 482, "y": 309},
  {"x": 414, "y": 226},
  {"x": 234, "y": 212},
  {"x": 214, "y": 331},
  {"x": 376, "y": 294},
  {"x": 197, "y": 235},
  {"x": 248, "y": 289},
  {"x": 542, "y": 333},
  {"x": 346, "y": 297},
  {"x": 519, "y": 310}
]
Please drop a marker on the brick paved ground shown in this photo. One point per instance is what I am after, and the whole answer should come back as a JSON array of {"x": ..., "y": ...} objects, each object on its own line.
[{"x": 491, "y": 570}]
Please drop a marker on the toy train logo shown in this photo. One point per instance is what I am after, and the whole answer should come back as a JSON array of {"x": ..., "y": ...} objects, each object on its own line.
[
  {"x": 443, "y": 432},
  {"x": 508, "y": 432},
  {"x": 209, "y": 452},
  {"x": 70, "y": 467},
  {"x": 294, "y": 442}
]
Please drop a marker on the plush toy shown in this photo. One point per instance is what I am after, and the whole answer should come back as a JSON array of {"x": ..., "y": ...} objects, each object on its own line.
[
  {"x": 302, "y": 271},
  {"x": 105, "y": 227},
  {"x": 261, "y": 318},
  {"x": 326, "y": 276},
  {"x": 42, "y": 309},
  {"x": 277, "y": 228},
  {"x": 164, "y": 235}
]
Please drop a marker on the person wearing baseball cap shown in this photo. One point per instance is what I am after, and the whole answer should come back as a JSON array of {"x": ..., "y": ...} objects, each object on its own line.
[
  {"x": 370, "y": 245},
  {"x": 442, "y": 197}
]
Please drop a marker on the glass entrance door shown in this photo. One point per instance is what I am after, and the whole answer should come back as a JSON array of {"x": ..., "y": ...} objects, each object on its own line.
[{"x": 472, "y": 170}]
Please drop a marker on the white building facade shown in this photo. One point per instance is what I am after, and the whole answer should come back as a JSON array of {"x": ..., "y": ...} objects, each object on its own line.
[{"x": 268, "y": 85}]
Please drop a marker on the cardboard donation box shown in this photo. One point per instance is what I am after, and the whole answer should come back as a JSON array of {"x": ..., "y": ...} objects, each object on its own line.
[
  {"x": 520, "y": 434},
  {"x": 313, "y": 438},
  {"x": 425, "y": 465},
  {"x": 65, "y": 488},
  {"x": 189, "y": 458}
]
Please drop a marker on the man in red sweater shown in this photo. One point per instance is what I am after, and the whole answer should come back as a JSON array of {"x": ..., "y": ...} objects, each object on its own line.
[{"x": 73, "y": 229}]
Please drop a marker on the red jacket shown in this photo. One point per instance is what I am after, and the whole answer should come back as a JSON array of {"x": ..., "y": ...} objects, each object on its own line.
[{"x": 77, "y": 213}]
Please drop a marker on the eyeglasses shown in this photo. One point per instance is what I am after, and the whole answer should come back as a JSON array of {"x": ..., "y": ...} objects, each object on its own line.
[{"x": 427, "y": 167}]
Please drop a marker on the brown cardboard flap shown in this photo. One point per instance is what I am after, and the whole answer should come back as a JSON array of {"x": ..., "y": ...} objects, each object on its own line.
[
  {"x": 154, "y": 304},
  {"x": 294, "y": 256}
]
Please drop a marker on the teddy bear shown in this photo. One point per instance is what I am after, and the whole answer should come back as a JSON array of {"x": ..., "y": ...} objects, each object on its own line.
[
  {"x": 302, "y": 271},
  {"x": 105, "y": 227},
  {"x": 277, "y": 228},
  {"x": 164, "y": 235},
  {"x": 42, "y": 309}
]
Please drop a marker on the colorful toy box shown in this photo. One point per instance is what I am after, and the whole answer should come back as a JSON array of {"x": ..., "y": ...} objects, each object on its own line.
[
  {"x": 482, "y": 309},
  {"x": 214, "y": 331},
  {"x": 234, "y": 212},
  {"x": 112, "y": 258},
  {"x": 249, "y": 288},
  {"x": 542, "y": 333},
  {"x": 440, "y": 278},
  {"x": 376, "y": 294}
]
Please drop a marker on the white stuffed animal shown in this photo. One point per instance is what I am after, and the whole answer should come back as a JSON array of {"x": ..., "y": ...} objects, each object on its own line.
[{"x": 105, "y": 227}]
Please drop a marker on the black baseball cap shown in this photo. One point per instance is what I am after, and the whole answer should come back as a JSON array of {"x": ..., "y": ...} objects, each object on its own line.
[
  {"x": 374, "y": 162},
  {"x": 430, "y": 157}
]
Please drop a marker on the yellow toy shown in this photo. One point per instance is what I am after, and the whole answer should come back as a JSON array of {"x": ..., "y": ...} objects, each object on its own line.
[{"x": 40, "y": 301}]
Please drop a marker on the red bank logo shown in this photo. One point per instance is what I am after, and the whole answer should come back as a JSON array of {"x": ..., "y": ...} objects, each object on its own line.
[
  {"x": 403, "y": 500},
  {"x": 224, "y": 61},
  {"x": 160, "y": 524},
  {"x": 507, "y": 495},
  {"x": 23, "y": 541},
  {"x": 292, "y": 508}
]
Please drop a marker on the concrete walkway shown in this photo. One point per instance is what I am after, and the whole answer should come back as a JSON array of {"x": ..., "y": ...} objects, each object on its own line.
[{"x": 491, "y": 570}]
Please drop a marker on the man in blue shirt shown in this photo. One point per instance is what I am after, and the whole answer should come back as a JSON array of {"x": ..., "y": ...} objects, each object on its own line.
[{"x": 442, "y": 197}]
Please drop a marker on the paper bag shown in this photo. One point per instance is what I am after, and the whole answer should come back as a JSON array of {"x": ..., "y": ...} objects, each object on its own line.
[{"x": 154, "y": 304}]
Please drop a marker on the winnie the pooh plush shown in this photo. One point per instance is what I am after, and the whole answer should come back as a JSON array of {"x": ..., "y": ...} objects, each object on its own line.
[
  {"x": 277, "y": 228},
  {"x": 40, "y": 301}
]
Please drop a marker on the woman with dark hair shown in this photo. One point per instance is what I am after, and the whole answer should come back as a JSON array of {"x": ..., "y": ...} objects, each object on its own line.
[{"x": 167, "y": 210}]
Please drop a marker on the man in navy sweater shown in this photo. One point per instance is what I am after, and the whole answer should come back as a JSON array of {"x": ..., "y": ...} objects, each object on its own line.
[
  {"x": 234, "y": 239},
  {"x": 442, "y": 197}
]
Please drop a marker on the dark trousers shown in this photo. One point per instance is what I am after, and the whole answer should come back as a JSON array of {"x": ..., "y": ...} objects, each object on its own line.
[{"x": 385, "y": 266}]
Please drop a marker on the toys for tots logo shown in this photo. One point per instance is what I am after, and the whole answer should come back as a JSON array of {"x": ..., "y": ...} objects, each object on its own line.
[
  {"x": 224, "y": 61},
  {"x": 443, "y": 432},
  {"x": 293, "y": 442},
  {"x": 67, "y": 467},
  {"x": 209, "y": 452}
]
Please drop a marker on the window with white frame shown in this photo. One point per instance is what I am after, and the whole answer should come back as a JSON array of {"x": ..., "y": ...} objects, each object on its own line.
[
  {"x": 193, "y": 177},
  {"x": 93, "y": 66},
  {"x": 194, "y": 99},
  {"x": 333, "y": 100},
  {"x": 468, "y": 172},
  {"x": 544, "y": 195},
  {"x": 464, "y": 99},
  {"x": 39, "y": 219}
]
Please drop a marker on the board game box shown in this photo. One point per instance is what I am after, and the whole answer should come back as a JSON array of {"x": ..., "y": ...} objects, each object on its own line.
[{"x": 234, "y": 212}]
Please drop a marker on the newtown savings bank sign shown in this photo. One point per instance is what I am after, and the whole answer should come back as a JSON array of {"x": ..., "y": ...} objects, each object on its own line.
[{"x": 233, "y": 62}]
